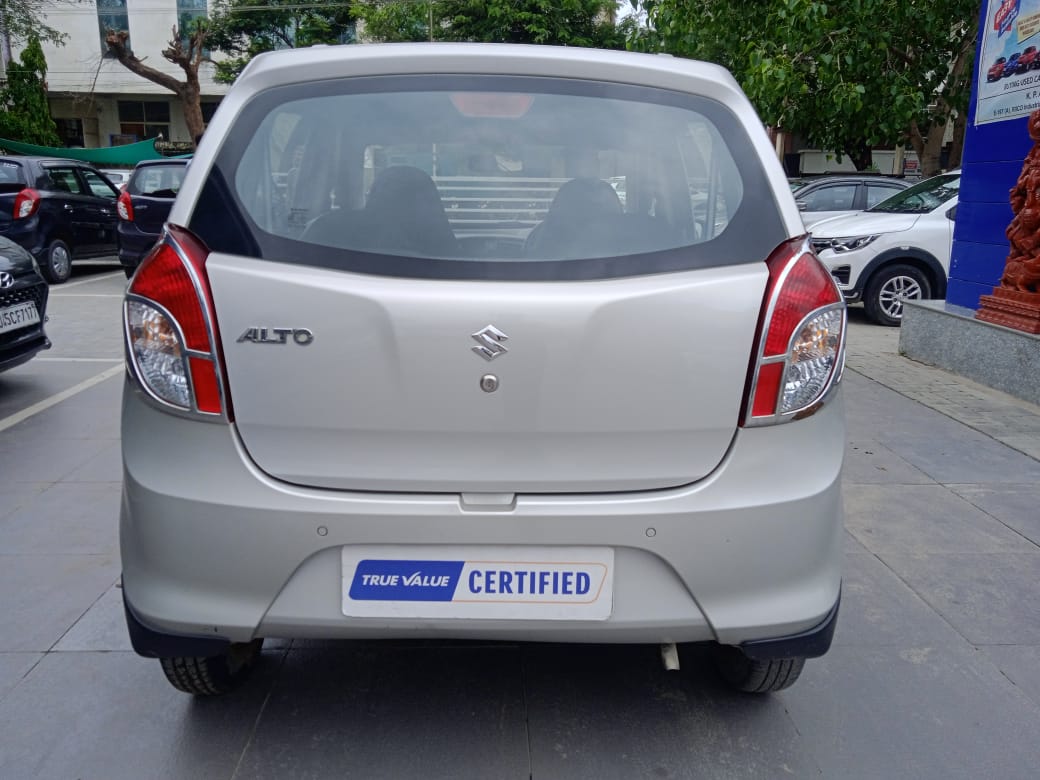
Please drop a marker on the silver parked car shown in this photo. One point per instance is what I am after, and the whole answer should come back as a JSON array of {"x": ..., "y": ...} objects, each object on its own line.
[{"x": 405, "y": 365}]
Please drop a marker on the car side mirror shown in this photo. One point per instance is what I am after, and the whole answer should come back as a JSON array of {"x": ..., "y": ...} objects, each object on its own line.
[
  {"x": 952, "y": 214},
  {"x": 801, "y": 204}
]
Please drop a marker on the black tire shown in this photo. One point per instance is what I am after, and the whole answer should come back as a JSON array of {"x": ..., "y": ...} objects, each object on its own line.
[
  {"x": 889, "y": 287},
  {"x": 215, "y": 675},
  {"x": 57, "y": 264},
  {"x": 750, "y": 675}
]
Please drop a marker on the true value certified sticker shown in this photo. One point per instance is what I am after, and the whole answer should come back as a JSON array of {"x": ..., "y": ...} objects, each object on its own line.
[{"x": 528, "y": 583}]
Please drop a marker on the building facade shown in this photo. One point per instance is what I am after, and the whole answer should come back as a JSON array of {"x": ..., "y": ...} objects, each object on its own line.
[{"x": 96, "y": 101}]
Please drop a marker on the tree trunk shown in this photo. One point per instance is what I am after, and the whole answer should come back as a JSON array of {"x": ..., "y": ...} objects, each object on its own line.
[
  {"x": 192, "y": 106},
  {"x": 928, "y": 149},
  {"x": 861, "y": 156},
  {"x": 188, "y": 91}
]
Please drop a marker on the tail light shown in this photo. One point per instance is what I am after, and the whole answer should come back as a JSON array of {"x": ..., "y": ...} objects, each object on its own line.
[
  {"x": 172, "y": 344},
  {"x": 125, "y": 207},
  {"x": 26, "y": 203},
  {"x": 800, "y": 346}
]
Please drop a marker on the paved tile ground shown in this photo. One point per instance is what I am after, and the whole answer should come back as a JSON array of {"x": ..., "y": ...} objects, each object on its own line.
[{"x": 935, "y": 671}]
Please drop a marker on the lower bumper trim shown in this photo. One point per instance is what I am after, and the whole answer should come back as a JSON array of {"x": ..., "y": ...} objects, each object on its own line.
[
  {"x": 808, "y": 644},
  {"x": 153, "y": 644}
]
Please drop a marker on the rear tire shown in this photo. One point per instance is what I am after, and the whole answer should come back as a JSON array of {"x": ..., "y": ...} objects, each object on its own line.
[
  {"x": 889, "y": 287},
  {"x": 57, "y": 265},
  {"x": 752, "y": 675},
  {"x": 214, "y": 675}
]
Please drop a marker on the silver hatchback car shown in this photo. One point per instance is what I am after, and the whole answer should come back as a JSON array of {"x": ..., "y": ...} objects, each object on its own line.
[{"x": 404, "y": 365}]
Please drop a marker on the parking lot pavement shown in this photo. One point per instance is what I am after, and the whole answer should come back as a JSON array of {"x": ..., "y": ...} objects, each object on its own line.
[{"x": 935, "y": 671}]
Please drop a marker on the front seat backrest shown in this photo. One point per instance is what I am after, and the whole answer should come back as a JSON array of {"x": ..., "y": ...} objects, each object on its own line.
[
  {"x": 404, "y": 215},
  {"x": 580, "y": 220}
]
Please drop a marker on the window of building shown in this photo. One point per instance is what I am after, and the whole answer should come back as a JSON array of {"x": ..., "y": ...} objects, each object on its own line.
[
  {"x": 144, "y": 119},
  {"x": 187, "y": 12},
  {"x": 70, "y": 131},
  {"x": 112, "y": 15}
]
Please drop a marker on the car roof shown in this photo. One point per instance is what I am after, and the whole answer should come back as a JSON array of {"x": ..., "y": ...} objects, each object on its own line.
[
  {"x": 164, "y": 161},
  {"x": 46, "y": 160}
]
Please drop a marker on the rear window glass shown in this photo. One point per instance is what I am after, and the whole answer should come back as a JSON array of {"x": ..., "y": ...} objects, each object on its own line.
[
  {"x": 478, "y": 177},
  {"x": 157, "y": 181},
  {"x": 12, "y": 178}
]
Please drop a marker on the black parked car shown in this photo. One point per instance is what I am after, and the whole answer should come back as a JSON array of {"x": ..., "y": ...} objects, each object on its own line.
[
  {"x": 144, "y": 205},
  {"x": 23, "y": 306},
  {"x": 59, "y": 210}
]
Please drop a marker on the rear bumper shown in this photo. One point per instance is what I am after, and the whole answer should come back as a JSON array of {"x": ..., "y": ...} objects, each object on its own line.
[
  {"x": 134, "y": 244},
  {"x": 211, "y": 547}
]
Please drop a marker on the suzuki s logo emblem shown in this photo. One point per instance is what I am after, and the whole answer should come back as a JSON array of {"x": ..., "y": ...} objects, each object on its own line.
[
  {"x": 490, "y": 341},
  {"x": 6, "y": 280}
]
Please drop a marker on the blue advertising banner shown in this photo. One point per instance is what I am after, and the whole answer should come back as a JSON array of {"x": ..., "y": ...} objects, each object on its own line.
[{"x": 1009, "y": 71}]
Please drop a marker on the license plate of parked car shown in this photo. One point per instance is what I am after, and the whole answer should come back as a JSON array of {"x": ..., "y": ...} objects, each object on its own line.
[
  {"x": 556, "y": 583},
  {"x": 18, "y": 316}
]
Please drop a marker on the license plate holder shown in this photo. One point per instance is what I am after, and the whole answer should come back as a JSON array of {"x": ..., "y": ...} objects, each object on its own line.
[
  {"x": 478, "y": 582},
  {"x": 20, "y": 315}
]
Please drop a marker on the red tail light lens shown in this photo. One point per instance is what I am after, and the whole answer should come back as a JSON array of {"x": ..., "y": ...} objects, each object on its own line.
[
  {"x": 125, "y": 207},
  {"x": 26, "y": 203},
  {"x": 801, "y": 343},
  {"x": 170, "y": 327}
]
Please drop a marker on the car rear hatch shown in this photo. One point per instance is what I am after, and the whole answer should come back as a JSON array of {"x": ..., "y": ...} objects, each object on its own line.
[
  {"x": 152, "y": 190},
  {"x": 382, "y": 331},
  {"x": 12, "y": 181}
]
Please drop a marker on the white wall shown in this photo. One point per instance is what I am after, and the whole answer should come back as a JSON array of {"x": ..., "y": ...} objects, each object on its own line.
[
  {"x": 84, "y": 85},
  {"x": 78, "y": 65}
]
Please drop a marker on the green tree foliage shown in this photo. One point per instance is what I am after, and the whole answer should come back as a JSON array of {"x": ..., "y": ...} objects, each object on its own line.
[
  {"x": 555, "y": 22},
  {"x": 21, "y": 20},
  {"x": 241, "y": 29},
  {"x": 26, "y": 117},
  {"x": 846, "y": 76}
]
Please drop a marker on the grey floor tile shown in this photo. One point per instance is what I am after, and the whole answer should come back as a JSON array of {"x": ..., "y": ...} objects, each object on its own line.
[
  {"x": 43, "y": 595},
  {"x": 39, "y": 380},
  {"x": 66, "y": 518},
  {"x": 1016, "y": 506},
  {"x": 101, "y": 628},
  {"x": 960, "y": 456},
  {"x": 878, "y": 609},
  {"x": 923, "y": 518},
  {"x": 1020, "y": 664},
  {"x": 368, "y": 710},
  {"x": 914, "y": 712},
  {"x": 106, "y": 466},
  {"x": 990, "y": 598},
  {"x": 24, "y": 458},
  {"x": 14, "y": 667},
  {"x": 613, "y": 712},
  {"x": 91, "y": 414},
  {"x": 13, "y": 496},
  {"x": 114, "y": 716},
  {"x": 852, "y": 545},
  {"x": 869, "y": 462}
]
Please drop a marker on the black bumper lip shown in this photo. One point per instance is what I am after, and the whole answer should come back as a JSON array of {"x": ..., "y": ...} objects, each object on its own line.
[
  {"x": 807, "y": 644},
  {"x": 153, "y": 644}
]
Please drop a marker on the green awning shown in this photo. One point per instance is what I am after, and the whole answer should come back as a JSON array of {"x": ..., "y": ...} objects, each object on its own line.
[{"x": 130, "y": 154}]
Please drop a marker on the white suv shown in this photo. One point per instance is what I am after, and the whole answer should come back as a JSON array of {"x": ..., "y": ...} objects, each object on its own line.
[
  {"x": 449, "y": 384},
  {"x": 894, "y": 251}
]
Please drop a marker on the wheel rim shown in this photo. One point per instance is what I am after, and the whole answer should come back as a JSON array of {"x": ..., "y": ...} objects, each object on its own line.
[
  {"x": 895, "y": 291},
  {"x": 60, "y": 261}
]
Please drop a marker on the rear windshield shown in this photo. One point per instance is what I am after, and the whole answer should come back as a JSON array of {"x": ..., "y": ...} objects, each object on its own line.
[
  {"x": 157, "y": 181},
  {"x": 12, "y": 178},
  {"x": 488, "y": 177}
]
